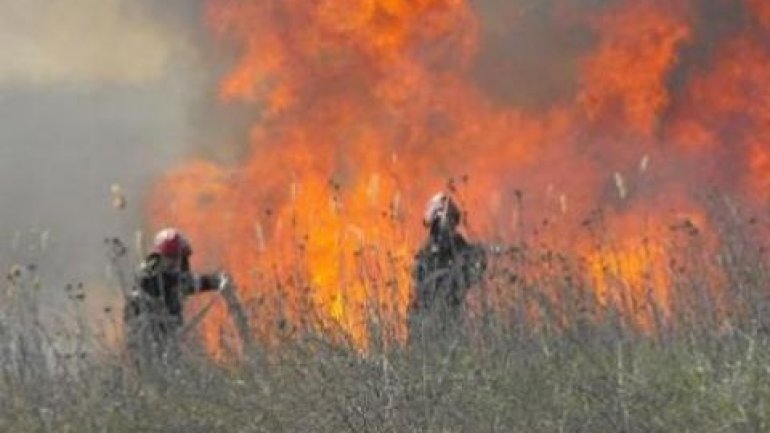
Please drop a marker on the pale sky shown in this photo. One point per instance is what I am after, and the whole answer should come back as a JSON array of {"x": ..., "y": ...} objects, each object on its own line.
[
  {"x": 84, "y": 42},
  {"x": 92, "y": 93}
]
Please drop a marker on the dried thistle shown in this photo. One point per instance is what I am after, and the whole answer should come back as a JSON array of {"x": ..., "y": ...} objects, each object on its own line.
[
  {"x": 259, "y": 233},
  {"x": 15, "y": 273},
  {"x": 644, "y": 164},
  {"x": 118, "y": 197},
  {"x": 373, "y": 189},
  {"x": 395, "y": 206},
  {"x": 620, "y": 184}
]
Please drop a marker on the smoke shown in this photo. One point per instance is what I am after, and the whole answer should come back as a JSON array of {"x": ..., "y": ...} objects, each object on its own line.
[
  {"x": 93, "y": 93},
  {"x": 82, "y": 41},
  {"x": 529, "y": 52}
]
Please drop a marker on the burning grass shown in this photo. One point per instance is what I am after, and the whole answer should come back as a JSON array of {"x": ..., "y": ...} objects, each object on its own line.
[
  {"x": 541, "y": 350},
  {"x": 648, "y": 315},
  {"x": 361, "y": 108}
]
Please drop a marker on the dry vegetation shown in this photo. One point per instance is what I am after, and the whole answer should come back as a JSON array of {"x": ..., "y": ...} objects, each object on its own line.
[{"x": 580, "y": 367}]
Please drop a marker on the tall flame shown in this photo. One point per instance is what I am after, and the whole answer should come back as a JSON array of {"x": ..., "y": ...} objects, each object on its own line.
[{"x": 363, "y": 108}]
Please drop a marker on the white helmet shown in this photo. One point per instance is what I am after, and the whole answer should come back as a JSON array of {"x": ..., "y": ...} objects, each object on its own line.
[{"x": 442, "y": 209}]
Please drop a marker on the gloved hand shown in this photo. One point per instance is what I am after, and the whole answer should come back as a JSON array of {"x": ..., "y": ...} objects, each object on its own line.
[{"x": 225, "y": 281}]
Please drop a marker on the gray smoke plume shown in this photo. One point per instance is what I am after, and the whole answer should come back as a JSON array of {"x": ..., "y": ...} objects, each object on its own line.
[{"x": 95, "y": 103}]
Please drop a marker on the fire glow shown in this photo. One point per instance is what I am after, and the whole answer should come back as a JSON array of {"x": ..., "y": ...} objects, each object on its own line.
[{"x": 364, "y": 108}]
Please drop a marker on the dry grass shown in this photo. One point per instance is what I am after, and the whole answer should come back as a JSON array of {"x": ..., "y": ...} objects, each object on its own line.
[{"x": 534, "y": 364}]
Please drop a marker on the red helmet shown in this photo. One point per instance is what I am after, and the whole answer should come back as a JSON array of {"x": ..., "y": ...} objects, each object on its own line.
[
  {"x": 442, "y": 209},
  {"x": 171, "y": 242}
]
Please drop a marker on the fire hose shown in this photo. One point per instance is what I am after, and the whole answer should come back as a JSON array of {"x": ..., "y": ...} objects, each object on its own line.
[{"x": 235, "y": 308}]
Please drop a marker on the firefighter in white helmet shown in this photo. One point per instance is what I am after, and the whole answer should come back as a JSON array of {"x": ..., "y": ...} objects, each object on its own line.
[{"x": 445, "y": 267}]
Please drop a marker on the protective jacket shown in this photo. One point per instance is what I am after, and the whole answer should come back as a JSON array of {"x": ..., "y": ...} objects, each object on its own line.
[
  {"x": 445, "y": 267},
  {"x": 156, "y": 303}
]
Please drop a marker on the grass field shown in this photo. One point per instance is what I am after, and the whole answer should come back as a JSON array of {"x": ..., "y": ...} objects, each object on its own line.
[{"x": 552, "y": 361}]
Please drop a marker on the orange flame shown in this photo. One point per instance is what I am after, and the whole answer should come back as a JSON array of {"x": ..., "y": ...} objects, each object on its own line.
[
  {"x": 363, "y": 108},
  {"x": 638, "y": 47}
]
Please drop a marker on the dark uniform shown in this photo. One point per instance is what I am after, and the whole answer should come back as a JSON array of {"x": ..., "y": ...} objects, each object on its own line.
[
  {"x": 154, "y": 310},
  {"x": 445, "y": 268}
]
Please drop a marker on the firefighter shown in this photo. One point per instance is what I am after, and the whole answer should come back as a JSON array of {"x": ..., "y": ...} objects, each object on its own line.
[
  {"x": 445, "y": 268},
  {"x": 154, "y": 308}
]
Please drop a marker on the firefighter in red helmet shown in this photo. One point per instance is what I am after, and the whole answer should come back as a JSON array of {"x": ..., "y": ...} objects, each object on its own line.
[
  {"x": 154, "y": 309},
  {"x": 445, "y": 268}
]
